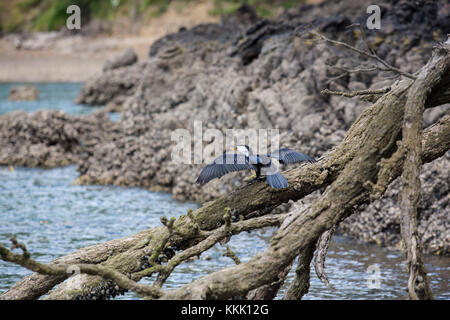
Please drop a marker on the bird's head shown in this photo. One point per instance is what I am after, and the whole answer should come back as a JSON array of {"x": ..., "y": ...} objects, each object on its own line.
[{"x": 244, "y": 149}]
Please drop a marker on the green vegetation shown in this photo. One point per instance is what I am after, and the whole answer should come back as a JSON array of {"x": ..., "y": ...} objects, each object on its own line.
[
  {"x": 264, "y": 8},
  {"x": 28, "y": 4},
  {"x": 53, "y": 14},
  {"x": 46, "y": 15},
  {"x": 157, "y": 7}
]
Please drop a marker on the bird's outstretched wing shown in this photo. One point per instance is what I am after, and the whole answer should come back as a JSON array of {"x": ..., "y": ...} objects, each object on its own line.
[
  {"x": 224, "y": 164},
  {"x": 286, "y": 155},
  {"x": 277, "y": 181}
]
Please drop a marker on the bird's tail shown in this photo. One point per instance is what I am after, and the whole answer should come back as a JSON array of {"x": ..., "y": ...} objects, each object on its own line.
[{"x": 277, "y": 180}]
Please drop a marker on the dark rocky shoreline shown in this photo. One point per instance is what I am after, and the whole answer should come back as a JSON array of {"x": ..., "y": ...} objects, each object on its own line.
[
  {"x": 244, "y": 72},
  {"x": 50, "y": 138}
]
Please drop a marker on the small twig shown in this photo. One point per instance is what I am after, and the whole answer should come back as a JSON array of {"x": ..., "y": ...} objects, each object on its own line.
[
  {"x": 18, "y": 245},
  {"x": 357, "y": 92},
  {"x": 136, "y": 276},
  {"x": 214, "y": 237},
  {"x": 159, "y": 249},
  {"x": 360, "y": 70},
  {"x": 227, "y": 220},
  {"x": 191, "y": 216},
  {"x": 332, "y": 79},
  {"x": 227, "y": 217},
  {"x": 300, "y": 286},
  {"x": 364, "y": 53},
  {"x": 230, "y": 254},
  {"x": 364, "y": 36}
]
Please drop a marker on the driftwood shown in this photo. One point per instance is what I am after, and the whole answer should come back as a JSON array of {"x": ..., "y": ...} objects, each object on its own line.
[
  {"x": 418, "y": 282},
  {"x": 356, "y": 172}
]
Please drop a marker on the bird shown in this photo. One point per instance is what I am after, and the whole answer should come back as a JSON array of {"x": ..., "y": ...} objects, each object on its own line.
[{"x": 262, "y": 164}]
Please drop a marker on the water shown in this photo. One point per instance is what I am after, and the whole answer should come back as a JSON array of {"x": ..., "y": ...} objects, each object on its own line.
[
  {"x": 53, "y": 218},
  {"x": 54, "y": 96}
]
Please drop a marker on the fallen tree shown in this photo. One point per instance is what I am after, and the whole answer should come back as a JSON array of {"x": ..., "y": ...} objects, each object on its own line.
[{"x": 357, "y": 172}]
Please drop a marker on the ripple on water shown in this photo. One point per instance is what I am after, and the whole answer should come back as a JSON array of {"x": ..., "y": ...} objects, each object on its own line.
[
  {"x": 57, "y": 96},
  {"x": 54, "y": 217},
  {"x": 53, "y": 96}
]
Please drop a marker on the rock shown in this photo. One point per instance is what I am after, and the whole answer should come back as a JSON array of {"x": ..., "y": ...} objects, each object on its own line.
[
  {"x": 50, "y": 138},
  {"x": 127, "y": 58},
  {"x": 26, "y": 92},
  {"x": 116, "y": 85},
  {"x": 112, "y": 86},
  {"x": 380, "y": 221}
]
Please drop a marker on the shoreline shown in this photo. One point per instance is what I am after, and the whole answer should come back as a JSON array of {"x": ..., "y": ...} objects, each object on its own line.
[
  {"x": 54, "y": 57},
  {"x": 70, "y": 59}
]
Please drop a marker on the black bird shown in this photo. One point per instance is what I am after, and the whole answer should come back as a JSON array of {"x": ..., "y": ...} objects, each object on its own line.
[{"x": 246, "y": 160}]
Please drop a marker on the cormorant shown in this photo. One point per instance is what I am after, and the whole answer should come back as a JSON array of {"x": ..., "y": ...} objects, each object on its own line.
[{"x": 246, "y": 160}]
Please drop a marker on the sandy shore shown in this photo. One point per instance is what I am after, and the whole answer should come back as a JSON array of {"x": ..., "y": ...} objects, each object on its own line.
[
  {"x": 71, "y": 59},
  {"x": 76, "y": 58}
]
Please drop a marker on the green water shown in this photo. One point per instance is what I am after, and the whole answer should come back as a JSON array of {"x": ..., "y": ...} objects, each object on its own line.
[{"x": 53, "y": 218}]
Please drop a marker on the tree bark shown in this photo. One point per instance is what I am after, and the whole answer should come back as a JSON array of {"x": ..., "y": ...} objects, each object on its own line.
[{"x": 429, "y": 77}]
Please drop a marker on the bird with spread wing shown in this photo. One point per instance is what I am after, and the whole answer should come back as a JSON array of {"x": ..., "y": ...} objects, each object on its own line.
[{"x": 261, "y": 164}]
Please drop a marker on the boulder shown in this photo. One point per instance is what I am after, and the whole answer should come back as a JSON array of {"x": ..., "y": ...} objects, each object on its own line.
[
  {"x": 26, "y": 92},
  {"x": 127, "y": 58}
]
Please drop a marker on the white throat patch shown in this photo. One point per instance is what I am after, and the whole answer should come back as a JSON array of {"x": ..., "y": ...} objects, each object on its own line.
[{"x": 243, "y": 150}]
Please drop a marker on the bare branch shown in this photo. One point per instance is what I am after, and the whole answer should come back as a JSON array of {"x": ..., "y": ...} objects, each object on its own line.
[
  {"x": 25, "y": 261},
  {"x": 364, "y": 53},
  {"x": 214, "y": 237},
  {"x": 418, "y": 282},
  {"x": 300, "y": 286},
  {"x": 16, "y": 244},
  {"x": 361, "y": 69},
  {"x": 320, "y": 254},
  {"x": 357, "y": 92},
  {"x": 230, "y": 254},
  {"x": 122, "y": 280}
]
